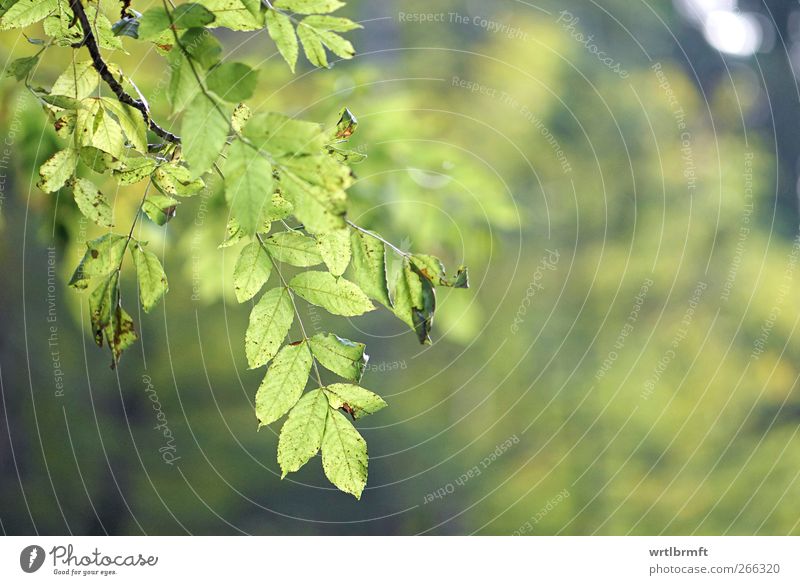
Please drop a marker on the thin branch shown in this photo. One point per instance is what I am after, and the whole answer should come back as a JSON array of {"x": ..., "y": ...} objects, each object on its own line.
[{"x": 100, "y": 65}]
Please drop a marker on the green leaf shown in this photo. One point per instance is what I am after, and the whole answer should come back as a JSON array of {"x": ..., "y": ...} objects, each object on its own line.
[
  {"x": 415, "y": 300},
  {"x": 25, "y": 12},
  {"x": 233, "y": 82},
  {"x": 131, "y": 121},
  {"x": 92, "y": 203},
  {"x": 346, "y": 126},
  {"x": 344, "y": 454},
  {"x": 57, "y": 170},
  {"x": 135, "y": 170},
  {"x": 312, "y": 46},
  {"x": 346, "y": 156},
  {"x": 341, "y": 356},
  {"x": 99, "y": 161},
  {"x": 309, "y": 6},
  {"x": 19, "y": 68},
  {"x": 126, "y": 27},
  {"x": 204, "y": 132},
  {"x": 79, "y": 80},
  {"x": 64, "y": 124},
  {"x": 336, "y": 295},
  {"x": 251, "y": 272},
  {"x": 320, "y": 210},
  {"x": 109, "y": 320},
  {"x": 293, "y": 248},
  {"x": 270, "y": 321},
  {"x": 248, "y": 185},
  {"x": 107, "y": 134},
  {"x": 191, "y": 15},
  {"x": 301, "y": 435},
  {"x": 284, "y": 136},
  {"x": 330, "y": 23},
  {"x": 433, "y": 269},
  {"x": 277, "y": 208},
  {"x": 334, "y": 247},
  {"x": 152, "y": 23},
  {"x": 241, "y": 114},
  {"x": 150, "y": 275},
  {"x": 316, "y": 31},
  {"x": 353, "y": 399},
  {"x": 369, "y": 267},
  {"x": 235, "y": 14},
  {"x": 183, "y": 86},
  {"x": 66, "y": 30},
  {"x": 283, "y": 384},
  {"x": 159, "y": 208},
  {"x": 279, "y": 27},
  {"x": 203, "y": 47},
  {"x": 174, "y": 179},
  {"x": 103, "y": 256}
]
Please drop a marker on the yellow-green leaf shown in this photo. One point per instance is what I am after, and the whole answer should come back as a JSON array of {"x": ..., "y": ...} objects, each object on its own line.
[
  {"x": 341, "y": 356},
  {"x": 301, "y": 435},
  {"x": 270, "y": 321},
  {"x": 150, "y": 276},
  {"x": 283, "y": 384},
  {"x": 281, "y": 30},
  {"x": 354, "y": 399},
  {"x": 92, "y": 203},
  {"x": 57, "y": 170},
  {"x": 344, "y": 454},
  {"x": 251, "y": 272},
  {"x": 338, "y": 295}
]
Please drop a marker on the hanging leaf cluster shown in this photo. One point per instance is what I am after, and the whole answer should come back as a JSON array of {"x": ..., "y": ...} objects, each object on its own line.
[{"x": 285, "y": 181}]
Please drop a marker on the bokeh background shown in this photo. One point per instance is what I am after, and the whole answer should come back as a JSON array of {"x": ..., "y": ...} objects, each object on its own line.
[{"x": 621, "y": 178}]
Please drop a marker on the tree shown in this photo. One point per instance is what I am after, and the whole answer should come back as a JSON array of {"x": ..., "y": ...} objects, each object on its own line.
[{"x": 285, "y": 185}]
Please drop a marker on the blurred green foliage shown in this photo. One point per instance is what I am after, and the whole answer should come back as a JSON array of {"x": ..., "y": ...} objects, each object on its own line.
[{"x": 566, "y": 189}]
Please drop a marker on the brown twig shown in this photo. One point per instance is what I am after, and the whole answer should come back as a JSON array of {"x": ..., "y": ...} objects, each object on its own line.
[{"x": 105, "y": 73}]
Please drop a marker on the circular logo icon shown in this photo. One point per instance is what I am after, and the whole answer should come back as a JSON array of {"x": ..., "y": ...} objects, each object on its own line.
[{"x": 31, "y": 558}]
